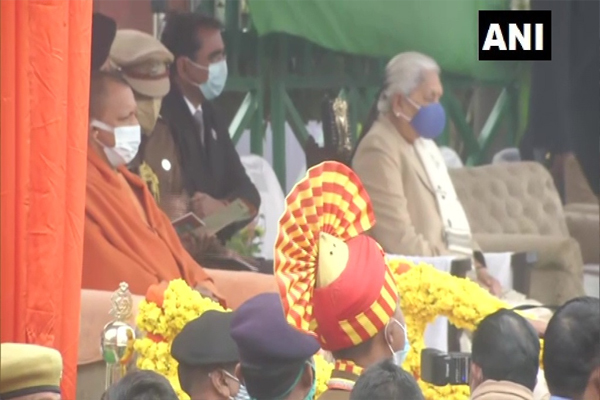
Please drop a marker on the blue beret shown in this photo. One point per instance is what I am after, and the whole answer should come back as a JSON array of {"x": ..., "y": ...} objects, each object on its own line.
[
  {"x": 263, "y": 336},
  {"x": 206, "y": 341}
]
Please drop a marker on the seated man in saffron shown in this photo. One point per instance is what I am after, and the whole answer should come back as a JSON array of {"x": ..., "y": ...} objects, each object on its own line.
[{"x": 127, "y": 238}]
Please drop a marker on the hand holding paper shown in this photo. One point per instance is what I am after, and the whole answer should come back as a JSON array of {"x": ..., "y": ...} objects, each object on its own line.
[
  {"x": 224, "y": 216},
  {"x": 204, "y": 205}
]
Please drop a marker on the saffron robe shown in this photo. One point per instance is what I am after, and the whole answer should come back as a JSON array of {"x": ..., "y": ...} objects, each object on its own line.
[{"x": 130, "y": 240}]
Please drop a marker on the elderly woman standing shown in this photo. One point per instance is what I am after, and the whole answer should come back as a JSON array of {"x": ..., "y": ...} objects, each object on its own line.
[{"x": 416, "y": 207}]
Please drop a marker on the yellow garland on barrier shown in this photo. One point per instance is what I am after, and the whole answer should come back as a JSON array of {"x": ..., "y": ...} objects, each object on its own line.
[
  {"x": 181, "y": 305},
  {"x": 426, "y": 293}
]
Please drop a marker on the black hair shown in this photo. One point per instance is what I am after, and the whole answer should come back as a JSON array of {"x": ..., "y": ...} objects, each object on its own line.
[
  {"x": 99, "y": 88},
  {"x": 141, "y": 385},
  {"x": 572, "y": 347},
  {"x": 386, "y": 381},
  {"x": 507, "y": 348},
  {"x": 189, "y": 374},
  {"x": 180, "y": 34},
  {"x": 271, "y": 381}
]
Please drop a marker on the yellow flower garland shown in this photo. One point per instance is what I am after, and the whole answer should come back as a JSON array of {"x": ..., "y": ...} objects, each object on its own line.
[
  {"x": 426, "y": 294},
  {"x": 181, "y": 305}
]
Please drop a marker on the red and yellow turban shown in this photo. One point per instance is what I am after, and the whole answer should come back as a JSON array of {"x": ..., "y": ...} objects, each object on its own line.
[{"x": 333, "y": 279}]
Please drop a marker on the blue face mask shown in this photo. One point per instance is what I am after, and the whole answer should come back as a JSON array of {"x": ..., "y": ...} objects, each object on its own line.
[
  {"x": 398, "y": 356},
  {"x": 429, "y": 121}
]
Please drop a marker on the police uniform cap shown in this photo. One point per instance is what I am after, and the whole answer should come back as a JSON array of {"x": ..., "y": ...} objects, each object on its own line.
[
  {"x": 28, "y": 369},
  {"x": 263, "y": 336},
  {"x": 143, "y": 61},
  {"x": 272, "y": 352},
  {"x": 206, "y": 341}
]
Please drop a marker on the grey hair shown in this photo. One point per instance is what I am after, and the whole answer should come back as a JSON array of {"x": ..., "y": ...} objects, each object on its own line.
[{"x": 403, "y": 74}]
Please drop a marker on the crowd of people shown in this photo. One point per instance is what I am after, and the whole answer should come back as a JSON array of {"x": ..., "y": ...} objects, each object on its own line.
[
  {"x": 158, "y": 150},
  {"x": 253, "y": 353}
]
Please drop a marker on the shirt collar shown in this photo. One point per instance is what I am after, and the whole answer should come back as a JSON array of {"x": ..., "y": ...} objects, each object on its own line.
[
  {"x": 558, "y": 398},
  {"x": 191, "y": 106}
]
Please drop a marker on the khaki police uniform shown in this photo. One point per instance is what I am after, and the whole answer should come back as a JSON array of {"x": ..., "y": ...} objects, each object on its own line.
[{"x": 144, "y": 63}]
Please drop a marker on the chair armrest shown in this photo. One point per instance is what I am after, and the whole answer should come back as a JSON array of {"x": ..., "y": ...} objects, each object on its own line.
[
  {"x": 239, "y": 286},
  {"x": 554, "y": 252},
  {"x": 584, "y": 226},
  {"x": 558, "y": 274}
]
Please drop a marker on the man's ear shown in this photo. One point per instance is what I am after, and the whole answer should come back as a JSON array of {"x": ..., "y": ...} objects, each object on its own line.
[
  {"x": 475, "y": 376},
  {"x": 396, "y": 104},
  {"x": 238, "y": 372},
  {"x": 180, "y": 66},
  {"x": 219, "y": 382}
]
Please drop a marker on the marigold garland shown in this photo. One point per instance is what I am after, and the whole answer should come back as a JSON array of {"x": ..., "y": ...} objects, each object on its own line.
[
  {"x": 163, "y": 314},
  {"x": 426, "y": 294}
]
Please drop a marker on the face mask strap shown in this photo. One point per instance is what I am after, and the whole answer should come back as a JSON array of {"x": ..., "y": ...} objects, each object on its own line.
[
  {"x": 406, "y": 345},
  {"x": 414, "y": 103},
  {"x": 231, "y": 376},
  {"x": 195, "y": 64},
  {"x": 94, "y": 123}
]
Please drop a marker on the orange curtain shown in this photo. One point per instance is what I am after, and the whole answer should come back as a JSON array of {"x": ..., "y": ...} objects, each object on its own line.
[{"x": 45, "y": 48}]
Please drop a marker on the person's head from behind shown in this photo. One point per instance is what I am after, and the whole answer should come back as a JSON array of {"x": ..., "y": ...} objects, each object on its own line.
[
  {"x": 354, "y": 277},
  {"x": 275, "y": 359},
  {"x": 200, "y": 67},
  {"x": 410, "y": 96},
  {"x": 386, "y": 381},
  {"x": 572, "y": 350},
  {"x": 141, "y": 385},
  {"x": 114, "y": 131},
  {"x": 390, "y": 343},
  {"x": 207, "y": 357},
  {"x": 505, "y": 348}
]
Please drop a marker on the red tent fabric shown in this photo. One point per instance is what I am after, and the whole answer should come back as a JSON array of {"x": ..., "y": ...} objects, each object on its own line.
[{"x": 44, "y": 83}]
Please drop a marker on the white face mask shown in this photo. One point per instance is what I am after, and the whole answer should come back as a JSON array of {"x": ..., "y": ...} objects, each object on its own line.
[
  {"x": 217, "y": 77},
  {"x": 127, "y": 143}
]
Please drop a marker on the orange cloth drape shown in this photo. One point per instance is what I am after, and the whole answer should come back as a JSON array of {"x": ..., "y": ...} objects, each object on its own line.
[{"x": 45, "y": 48}]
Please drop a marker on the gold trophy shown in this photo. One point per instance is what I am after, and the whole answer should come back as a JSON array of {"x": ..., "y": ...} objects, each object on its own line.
[
  {"x": 336, "y": 133},
  {"x": 118, "y": 337},
  {"x": 340, "y": 112}
]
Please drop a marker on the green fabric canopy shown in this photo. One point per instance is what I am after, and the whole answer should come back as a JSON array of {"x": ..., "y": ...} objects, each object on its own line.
[{"x": 443, "y": 29}]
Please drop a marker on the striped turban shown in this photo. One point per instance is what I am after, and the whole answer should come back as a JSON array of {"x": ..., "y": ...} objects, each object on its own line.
[{"x": 333, "y": 279}]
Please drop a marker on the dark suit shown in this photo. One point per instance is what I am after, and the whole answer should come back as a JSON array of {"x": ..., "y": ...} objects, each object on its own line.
[
  {"x": 184, "y": 165},
  {"x": 564, "y": 111}
]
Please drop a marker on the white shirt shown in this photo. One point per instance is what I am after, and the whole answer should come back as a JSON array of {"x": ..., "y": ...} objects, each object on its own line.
[
  {"x": 191, "y": 106},
  {"x": 193, "y": 111}
]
